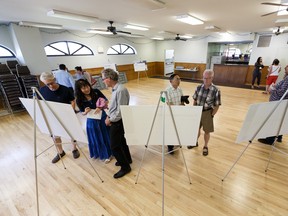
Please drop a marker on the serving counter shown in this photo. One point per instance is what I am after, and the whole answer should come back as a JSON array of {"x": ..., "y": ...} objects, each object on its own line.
[{"x": 228, "y": 73}]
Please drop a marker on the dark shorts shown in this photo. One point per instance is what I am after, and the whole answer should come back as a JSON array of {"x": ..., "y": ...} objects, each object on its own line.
[{"x": 207, "y": 121}]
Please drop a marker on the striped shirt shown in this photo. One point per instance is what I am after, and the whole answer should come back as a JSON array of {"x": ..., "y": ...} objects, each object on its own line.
[{"x": 208, "y": 98}]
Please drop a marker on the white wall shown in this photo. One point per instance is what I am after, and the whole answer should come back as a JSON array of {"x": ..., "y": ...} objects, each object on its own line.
[
  {"x": 278, "y": 49},
  {"x": 145, "y": 49},
  {"x": 31, "y": 42},
  {"x": 29, "y": 50}
]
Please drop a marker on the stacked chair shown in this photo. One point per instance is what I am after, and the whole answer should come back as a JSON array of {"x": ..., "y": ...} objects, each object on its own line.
[
  {"x": 12, "y": 65},
  {"x": 26, "y": 80},
  {"x": 10, "y": 89}
]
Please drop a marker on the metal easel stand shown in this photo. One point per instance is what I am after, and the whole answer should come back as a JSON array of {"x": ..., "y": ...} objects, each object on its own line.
[
  {"x": 255, "y": 134},
  {"x": 36, "y": 101},
  {"x": 163, "y": 143},
  {"x": 141, "y": 72}
]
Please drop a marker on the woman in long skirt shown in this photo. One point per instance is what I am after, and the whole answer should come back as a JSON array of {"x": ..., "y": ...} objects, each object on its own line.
[{"x": 87, "y": 100}]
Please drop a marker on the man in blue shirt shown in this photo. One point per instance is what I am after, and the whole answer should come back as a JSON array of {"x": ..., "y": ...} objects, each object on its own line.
[{"x": 63, "y": 77}]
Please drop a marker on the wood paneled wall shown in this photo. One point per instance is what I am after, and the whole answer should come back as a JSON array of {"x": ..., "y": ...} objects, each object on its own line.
[{"x": 157, "y": 69}]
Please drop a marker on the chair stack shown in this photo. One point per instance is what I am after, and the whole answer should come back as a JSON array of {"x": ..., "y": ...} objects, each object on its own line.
[
  {"x": 26, "y": 80},
  {"x": 12, "y": 65},
  {"x": 10, "y": 89}
]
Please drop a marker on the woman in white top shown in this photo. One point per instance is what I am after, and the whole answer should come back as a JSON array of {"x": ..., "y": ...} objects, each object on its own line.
[{"x": 273, "y": 73}]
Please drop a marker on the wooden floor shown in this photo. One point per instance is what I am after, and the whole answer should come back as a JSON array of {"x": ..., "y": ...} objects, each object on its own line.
[{"x": 78, "y": 191}]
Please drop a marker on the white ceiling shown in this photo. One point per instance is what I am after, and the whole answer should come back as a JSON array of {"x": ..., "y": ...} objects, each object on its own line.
[{"x": 234, "y": 16}]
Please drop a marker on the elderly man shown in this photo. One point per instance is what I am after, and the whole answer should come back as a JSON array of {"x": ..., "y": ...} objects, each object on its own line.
[
  {"x": 55, "y": 92},
  {"x": 119, "y": 147},
  {"x": 208, "y": 96},
  {"x": 277, "y": 91}
]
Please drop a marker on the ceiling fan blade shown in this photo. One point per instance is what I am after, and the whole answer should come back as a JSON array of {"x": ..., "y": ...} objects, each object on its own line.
[
  {"x": 123, "y": 32},
  {"x": 273, "y": 4},
  {"x": 272, "y": 13}
]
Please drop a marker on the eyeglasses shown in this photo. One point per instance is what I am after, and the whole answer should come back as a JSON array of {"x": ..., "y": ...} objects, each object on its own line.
[
  {"x": 50, "y": 84},
  {"x": 104, "y": 78}
]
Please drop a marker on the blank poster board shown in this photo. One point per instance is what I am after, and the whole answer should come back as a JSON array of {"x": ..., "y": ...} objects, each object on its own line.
[
  {"x": 138, "y": 120},
  {"x": 256, "y": 116},
  {"x": 110, "y": 65},
  {"x": 140, "y": 66},
  {"x": 64, "y": 112}
]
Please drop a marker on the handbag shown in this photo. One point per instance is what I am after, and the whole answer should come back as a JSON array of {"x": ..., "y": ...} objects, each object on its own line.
[{"x": 101, "y": 103}]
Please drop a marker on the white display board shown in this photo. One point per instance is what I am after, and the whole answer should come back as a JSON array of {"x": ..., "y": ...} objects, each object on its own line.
[
  {"x": 138, "y": 120},
  {"x": 256, "y": 116},
  {"x": 64, "y": 112},
  {"x": 140, "y": 66},
  {"x": 110, "y": 65}
]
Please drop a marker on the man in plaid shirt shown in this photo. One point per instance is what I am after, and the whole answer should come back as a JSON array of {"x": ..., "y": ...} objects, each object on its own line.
[{"x": 207, "y": 95}]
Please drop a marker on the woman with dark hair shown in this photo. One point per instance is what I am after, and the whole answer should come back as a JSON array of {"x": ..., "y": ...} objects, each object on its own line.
[
  {"x": 257, "y": 72},
  {"x": 87, "y": 100}
]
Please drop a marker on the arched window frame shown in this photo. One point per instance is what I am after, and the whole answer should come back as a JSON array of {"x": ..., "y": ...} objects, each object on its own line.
[
  {"x": 69, "y": 53},
  {"x": 10, "y": 51},
  {"x": 121, "y": 51}
]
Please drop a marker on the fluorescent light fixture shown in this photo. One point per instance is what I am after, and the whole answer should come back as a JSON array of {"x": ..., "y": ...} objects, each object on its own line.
[
  {"x": 186, "y": 36},
  {"x": 71, "y": 16},
  {"x": 40, "y": 25},
  {"x": 157, "y": 38},
  {"x": 189, "y": 19},
  {"x": 212, "y": 28},
  {"x": 136, "y": 27},
  {"x": 281, "y": 21},
  {"x": 282, "y": 11},
  {"x": 95, "y": 31}
]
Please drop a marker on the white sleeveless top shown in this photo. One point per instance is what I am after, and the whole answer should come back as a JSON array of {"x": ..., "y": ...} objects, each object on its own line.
[{"x": 275, "y": 69}]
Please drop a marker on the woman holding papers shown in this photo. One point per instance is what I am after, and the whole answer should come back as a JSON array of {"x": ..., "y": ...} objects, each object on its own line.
[{"x": 92, "y": 103}]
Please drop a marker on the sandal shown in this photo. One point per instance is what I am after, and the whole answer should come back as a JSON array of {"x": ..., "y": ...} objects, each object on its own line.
[{"x": 205, "y": 151}]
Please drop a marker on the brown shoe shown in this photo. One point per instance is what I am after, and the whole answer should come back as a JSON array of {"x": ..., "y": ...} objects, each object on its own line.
[
  {"x": 205, "y": 151},
  {"x": 57, "y": 157}
]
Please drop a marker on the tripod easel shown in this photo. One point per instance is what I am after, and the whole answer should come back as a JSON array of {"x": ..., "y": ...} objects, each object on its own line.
[
  {"x": 273, "y": 147},
  {"x": 163, "y": 142},
  {"x": 37, "y": 104}
]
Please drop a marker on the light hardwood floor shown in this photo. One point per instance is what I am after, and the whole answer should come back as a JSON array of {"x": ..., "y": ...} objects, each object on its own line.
[{"x": 248, "y": 190}]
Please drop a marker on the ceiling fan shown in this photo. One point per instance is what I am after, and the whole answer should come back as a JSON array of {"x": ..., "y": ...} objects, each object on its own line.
[
  {"x": 113, "y": 29},
  {"x": 109, "y": 30},
  {"x": 274, "y": 4},
  {"x": 179, "y": 38}
]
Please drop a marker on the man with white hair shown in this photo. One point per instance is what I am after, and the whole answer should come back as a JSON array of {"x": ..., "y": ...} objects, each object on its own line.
[
  {"x": 55, "y": 92},
  {"x": 208, "y": 96}
]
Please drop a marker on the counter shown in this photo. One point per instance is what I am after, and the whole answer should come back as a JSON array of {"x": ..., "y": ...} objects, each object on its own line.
[{"x": 230, "y": 73}]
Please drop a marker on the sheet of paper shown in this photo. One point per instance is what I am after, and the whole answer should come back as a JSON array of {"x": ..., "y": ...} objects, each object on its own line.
[{"x": 93, "y": 115}]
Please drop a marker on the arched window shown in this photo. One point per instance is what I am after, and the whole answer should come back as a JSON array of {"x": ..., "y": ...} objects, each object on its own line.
[
  {"x": 67, "y": 48},
  {"x": 6, "y": 53},
  {"x": 121, "y": 49}
]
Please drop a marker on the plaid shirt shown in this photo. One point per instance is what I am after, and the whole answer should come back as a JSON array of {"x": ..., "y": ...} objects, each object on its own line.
[
  {"x": 174, "y": 95},
  {"x": 279, "y": 90},
  {"x": 208, "y": 98}
]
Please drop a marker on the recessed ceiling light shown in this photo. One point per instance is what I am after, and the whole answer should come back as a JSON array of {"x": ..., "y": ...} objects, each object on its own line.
[{"x": 189, "y": 19}]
